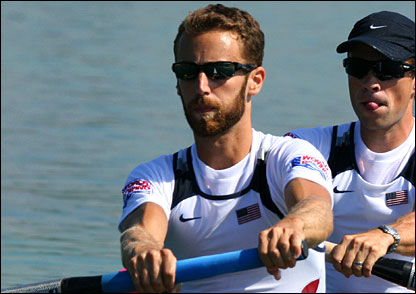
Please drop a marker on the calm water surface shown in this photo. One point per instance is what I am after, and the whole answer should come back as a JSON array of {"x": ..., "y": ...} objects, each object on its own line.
[{"x": 87, "y": 94}]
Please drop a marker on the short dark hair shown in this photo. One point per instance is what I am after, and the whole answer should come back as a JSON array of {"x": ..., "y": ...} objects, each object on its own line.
[{"x": 221, "y": 18}]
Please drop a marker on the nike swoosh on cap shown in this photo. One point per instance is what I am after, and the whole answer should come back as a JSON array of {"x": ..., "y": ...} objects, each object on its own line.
[
  {"x": 373, "y": 27},
  {"x": 182, "y": 219},
  {"x": 338, "y": 191}
]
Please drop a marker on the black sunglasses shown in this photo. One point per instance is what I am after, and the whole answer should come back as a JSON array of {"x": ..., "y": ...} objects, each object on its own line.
[
  {"x": 383, "y": 69},
  {"x": 214, "y": 70}
]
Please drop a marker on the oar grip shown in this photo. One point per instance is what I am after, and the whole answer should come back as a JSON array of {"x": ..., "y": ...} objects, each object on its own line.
[
  {"x": 218, "y": 264},
  {"x": 224, "y": 263},
  {"x": 197, "y": 268}
]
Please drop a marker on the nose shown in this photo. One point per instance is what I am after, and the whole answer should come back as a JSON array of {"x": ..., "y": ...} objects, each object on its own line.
[
  {"x": 371, "y": 82},
  {"x": 203, "y": 84}
]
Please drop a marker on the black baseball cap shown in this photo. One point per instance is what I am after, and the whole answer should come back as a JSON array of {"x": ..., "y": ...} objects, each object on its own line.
[{"x": 390, "y": 33}]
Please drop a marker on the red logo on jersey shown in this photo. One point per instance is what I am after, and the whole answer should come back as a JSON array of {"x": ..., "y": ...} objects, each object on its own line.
[
  {"x": 312, "y": 163},
  {"x": 290, "y": 135},
  {"x": 309, "y": 159},
  {"x": 136, "y": 186}
]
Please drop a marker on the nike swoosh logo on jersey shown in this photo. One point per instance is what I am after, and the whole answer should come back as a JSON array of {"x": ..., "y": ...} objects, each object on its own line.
[
  {"x": 182, "y": 219},
  {"x": 338, "y": 191},
  {"x": 373, "y": 27}
]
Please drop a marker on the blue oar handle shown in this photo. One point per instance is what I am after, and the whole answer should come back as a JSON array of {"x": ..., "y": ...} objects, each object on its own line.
[{"x": 197, "y": 268}]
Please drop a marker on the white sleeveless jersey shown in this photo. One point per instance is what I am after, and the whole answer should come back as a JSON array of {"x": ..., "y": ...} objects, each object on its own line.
[
  {"x": 216, "y": 211},
  {"x": 359, "y": 205}
]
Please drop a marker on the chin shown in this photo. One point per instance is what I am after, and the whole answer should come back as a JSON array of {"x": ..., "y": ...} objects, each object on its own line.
[
  {"x": 208, "y": 131},
  {"x": 375, "y": 124}
]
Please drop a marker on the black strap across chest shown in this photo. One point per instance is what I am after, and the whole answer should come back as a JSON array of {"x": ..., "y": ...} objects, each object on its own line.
[
  {"x": 342, "y": 155},
  {"x": 186, "y": 185}
]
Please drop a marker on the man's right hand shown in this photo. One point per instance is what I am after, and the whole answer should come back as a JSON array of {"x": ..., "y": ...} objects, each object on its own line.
[
  {"x": 153, "y": 270},
  {"x": 152, "y": 267}
]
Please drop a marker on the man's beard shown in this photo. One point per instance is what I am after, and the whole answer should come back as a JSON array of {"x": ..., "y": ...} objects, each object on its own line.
[{"x": 222, "y": 119}]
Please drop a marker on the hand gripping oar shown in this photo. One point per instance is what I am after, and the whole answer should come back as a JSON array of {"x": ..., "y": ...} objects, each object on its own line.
[
  {"x": 186, "y": 270},
  {"x": 198, "y": 268}
]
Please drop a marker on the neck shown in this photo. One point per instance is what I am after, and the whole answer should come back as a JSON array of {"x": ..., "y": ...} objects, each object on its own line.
[
  {"x": 227, "y": 149},
  {"x": 387, "y": 139}
]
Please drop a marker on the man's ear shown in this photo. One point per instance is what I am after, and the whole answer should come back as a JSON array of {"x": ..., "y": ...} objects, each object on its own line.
[{"x": 256, "y": 80}]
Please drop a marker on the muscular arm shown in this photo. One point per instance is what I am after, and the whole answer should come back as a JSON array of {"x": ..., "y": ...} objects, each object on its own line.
[
  {"x": 151, "y": 267},
  {"x": 151, "y": 218},
  {"x": 310, "y": 204},
  {"x": 309, "y": 218}
]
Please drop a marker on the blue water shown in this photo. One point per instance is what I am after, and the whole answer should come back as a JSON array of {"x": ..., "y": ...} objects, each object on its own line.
[{"x": 87, "y": 94}]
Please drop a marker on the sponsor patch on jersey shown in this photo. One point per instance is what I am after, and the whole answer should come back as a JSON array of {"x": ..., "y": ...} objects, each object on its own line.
[
  {"x": 132, "y": 188},
  {"x": 136, "y": 186},
  {"x": 248, "y": 213},
  {"x": 290, "y": 135},
  {"x": 312, "y": 163},
  {"x": 397, "y": 198}
]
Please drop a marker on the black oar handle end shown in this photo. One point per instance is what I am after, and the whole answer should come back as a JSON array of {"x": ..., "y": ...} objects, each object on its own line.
[{"x": 90, "y": 284}]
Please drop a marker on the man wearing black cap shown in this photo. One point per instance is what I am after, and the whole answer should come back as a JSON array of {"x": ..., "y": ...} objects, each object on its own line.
[{"x": 372, "y": 160}]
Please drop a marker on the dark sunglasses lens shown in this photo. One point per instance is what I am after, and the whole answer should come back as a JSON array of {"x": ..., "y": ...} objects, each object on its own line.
[
  {"x": 383, "y": 70},
  {"x": 225, "y": 70},
  {"x": 219, "y": 70},
  {"x": 387, "y": 70},
  {"x": 214, "y": 71},
  {"x": 356, "y": 68},
  {"x": 185, "y": 71}
]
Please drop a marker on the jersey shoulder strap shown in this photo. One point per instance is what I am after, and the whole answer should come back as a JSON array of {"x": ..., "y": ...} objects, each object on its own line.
[
  {"x": 260, "y": 185},
  {"x": 184, "y": 187},
  {"x": 342, "y": 154}
]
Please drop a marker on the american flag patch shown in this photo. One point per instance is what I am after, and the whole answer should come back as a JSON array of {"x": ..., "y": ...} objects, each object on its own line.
[
  {"x": 396, "y": 198},
  {"x": 248, "y": 213}
]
